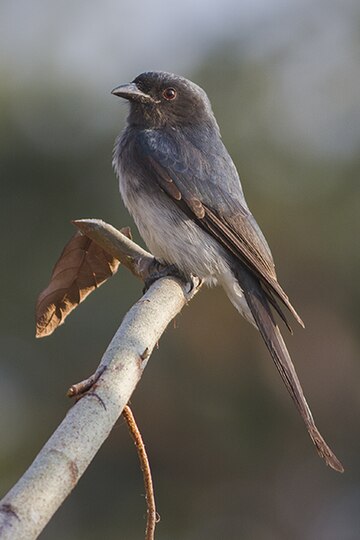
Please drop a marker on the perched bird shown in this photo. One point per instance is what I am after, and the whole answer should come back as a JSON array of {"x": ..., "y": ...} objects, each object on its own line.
[{"x": 180, "y": 185}]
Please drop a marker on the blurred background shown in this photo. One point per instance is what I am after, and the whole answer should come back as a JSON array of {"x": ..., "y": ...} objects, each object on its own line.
[{"x": 230, "y": 456}]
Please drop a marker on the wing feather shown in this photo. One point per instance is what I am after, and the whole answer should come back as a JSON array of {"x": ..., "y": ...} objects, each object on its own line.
[{"x": 186, "y": 178}]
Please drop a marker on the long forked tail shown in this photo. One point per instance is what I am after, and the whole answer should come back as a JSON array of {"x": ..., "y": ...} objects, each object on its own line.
[{"x": 270, "y": 333}]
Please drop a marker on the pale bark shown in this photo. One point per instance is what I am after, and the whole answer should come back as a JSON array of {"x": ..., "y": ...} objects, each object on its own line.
[{"x": 29, "y": 505}]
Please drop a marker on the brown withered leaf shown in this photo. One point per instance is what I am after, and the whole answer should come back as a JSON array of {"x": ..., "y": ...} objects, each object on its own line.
[{"x": 81, "y": 268}]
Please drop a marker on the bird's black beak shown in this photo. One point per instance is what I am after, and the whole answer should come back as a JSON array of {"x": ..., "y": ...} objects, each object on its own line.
[{"x": 131, "y": 92}]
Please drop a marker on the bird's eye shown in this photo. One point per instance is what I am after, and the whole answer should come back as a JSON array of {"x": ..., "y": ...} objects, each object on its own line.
[{"x": 169, "y": 94}]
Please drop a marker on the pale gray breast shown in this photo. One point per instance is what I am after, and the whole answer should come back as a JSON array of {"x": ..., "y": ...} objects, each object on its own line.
[{"x": 168, "y": 233}]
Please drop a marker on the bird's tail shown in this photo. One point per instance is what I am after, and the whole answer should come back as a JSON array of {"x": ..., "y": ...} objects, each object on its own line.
[{"x": 265, "y": 322}]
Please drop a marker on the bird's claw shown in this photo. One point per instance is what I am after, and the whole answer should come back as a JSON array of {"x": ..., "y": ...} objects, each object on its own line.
[{"x": 159, "y": 270}]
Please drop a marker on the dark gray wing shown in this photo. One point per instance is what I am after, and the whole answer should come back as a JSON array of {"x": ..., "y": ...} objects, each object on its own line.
[{"x": 208, "y": 189}]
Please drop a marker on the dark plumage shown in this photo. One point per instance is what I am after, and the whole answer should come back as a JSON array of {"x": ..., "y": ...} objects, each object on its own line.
[{"x": 184, "y": 193}]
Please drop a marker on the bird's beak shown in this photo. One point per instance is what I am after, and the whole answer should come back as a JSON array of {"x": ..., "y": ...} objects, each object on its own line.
[{"x": 131, "y": 92}]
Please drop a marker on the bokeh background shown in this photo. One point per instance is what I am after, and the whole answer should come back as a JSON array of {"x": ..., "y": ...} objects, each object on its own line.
[{"x": 230, "y": 456}]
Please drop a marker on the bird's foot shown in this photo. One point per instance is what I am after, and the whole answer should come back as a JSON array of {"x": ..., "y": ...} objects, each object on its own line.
[{"x": 157, "y": 270}]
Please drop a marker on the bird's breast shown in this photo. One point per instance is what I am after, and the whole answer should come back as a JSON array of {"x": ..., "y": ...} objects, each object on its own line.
[{"x": 170, "y": 235}]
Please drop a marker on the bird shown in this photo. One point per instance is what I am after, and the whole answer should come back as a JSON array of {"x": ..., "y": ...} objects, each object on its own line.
[{"x": 182, "y": 189}]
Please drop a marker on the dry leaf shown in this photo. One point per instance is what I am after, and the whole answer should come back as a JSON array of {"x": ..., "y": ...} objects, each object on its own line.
[{"x": 82, "y": 267}]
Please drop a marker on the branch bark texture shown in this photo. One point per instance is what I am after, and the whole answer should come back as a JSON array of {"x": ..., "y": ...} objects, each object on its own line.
[{"x": 29, "y": 505}]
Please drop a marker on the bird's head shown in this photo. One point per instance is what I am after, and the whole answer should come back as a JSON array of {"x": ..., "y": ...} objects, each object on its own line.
[{"x": 159, "y": 99}]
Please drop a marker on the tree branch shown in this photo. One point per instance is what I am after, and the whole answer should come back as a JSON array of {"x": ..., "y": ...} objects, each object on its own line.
[
  {"x": 134, "y": 257},
  {"x": 29, "y": 505}
]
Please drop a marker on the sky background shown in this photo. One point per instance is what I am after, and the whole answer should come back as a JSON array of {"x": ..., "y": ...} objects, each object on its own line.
[{"x": 230, "y": 457}]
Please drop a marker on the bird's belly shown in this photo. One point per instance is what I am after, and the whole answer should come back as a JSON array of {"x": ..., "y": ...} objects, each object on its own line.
[{"x": 173, "y": 237}]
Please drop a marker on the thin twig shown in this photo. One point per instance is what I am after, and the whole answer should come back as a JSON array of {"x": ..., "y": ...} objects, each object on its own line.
[
  {"x": 134, "y": 257},
  {"x": 145, "y": 467},
  {"x": 84, "y": 386}
]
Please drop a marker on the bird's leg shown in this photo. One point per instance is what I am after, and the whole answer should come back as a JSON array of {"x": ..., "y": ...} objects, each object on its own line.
[{"x": 157, "y": 270}]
